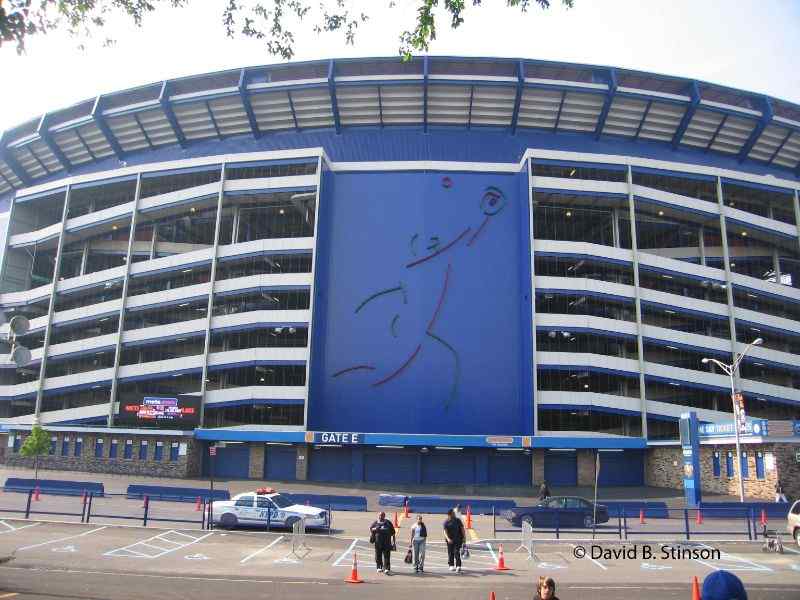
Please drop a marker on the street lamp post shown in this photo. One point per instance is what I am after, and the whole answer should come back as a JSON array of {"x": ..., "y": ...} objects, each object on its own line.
[{"x": 731, "y": 370}]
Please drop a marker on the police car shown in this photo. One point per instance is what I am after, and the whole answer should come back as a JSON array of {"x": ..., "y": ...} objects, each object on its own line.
[{"x": 263, "y": 506}]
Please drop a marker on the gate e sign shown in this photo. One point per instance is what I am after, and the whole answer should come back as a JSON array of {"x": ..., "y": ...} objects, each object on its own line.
[{"x": 337, "y": 437}]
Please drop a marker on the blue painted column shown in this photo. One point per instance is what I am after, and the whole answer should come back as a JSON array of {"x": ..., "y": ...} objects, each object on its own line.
[{"x": 357, "y": 464}]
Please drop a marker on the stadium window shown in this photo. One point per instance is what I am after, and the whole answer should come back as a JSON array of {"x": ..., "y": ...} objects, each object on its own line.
[
  {"x": 128, "y": 449},
  {"x": 729, "y": 465},
  {"x": 159, "y": 453},
  {"x": 53, "y": 442},
  {"x": 143, "y": 450},
  {"x": 173, "y": 451},
  {"x": 759, "y": 465},
  {"x": 98, "y": 448},
  {"x": 65, "y": 446},
  {"x": 716, "y": 465},
  {"x": 78, "y": 446},
  {"x": 112, "y": 451}
]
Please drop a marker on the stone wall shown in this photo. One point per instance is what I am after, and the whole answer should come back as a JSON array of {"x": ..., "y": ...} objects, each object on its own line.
[
  {"x": 664, "y": 468},
  {"x": 256, "y": 467},
  {"x": 586, "y": 465},
  {"x": 185, "y": 466},
  {"x": 538, "y": 467}
]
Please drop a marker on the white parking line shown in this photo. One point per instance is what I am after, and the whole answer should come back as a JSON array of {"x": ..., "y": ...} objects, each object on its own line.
[
  {"x": 69, "y": 537},
  {"x": 731, "y": 562},
  {"x": 13, "y": 529},
  {"x": 130, "y": 550},
  {"x": 489, "y": 546},
  {"x": 257, "y": 552},
  {"x": 345, "y": 553},
  {"x": 599, "y": 564}
]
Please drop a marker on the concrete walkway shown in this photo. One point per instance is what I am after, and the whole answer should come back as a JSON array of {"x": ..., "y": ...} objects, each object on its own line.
[{"x": 118, "y": 484}]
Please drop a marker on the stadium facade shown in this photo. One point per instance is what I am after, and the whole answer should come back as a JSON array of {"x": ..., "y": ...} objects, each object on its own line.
[{"x": 447, "y": 270}]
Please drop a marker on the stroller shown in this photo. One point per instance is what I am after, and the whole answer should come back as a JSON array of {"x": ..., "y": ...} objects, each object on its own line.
[{"x": 772, "y": 541}]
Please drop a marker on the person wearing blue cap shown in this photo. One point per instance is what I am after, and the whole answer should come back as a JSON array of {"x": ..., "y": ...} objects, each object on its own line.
[{"x": 723, "y": 585}]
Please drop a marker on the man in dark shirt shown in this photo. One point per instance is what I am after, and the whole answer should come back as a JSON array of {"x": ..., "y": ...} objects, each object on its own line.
[
  {"x": 454, "y": 535},
  {"x": 383, "y": 533}
]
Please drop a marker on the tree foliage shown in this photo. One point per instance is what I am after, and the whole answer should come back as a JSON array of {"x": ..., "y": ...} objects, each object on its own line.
[
  {"x": 35, "y": 445},
  {"x": 272, "y": 21}
]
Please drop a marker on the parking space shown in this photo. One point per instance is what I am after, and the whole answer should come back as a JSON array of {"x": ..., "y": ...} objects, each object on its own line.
[{"x": 260, "y": 554}]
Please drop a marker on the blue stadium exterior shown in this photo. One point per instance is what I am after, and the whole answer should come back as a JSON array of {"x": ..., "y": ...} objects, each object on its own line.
[{"x": 447, "y": 270}]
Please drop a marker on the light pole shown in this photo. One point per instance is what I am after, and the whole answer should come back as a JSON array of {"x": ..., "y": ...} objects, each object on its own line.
[{"x": 731, "y": 370}]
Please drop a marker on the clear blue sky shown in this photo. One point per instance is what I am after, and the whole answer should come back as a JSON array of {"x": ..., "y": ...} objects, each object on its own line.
[{"x": 747, "y": 44}]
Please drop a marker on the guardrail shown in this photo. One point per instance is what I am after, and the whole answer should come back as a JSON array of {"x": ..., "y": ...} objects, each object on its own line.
[{"x": 745, "y": 522}]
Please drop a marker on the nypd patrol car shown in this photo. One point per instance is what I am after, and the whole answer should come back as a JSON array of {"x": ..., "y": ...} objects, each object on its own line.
[{"x": 264, "y": 506}]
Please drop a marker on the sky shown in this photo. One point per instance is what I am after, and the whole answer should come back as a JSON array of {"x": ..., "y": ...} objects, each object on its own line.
[{"x": 746, "y": 44}]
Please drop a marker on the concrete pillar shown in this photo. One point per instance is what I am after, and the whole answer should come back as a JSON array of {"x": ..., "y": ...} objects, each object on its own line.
[
  {"x": 256, "y": 467},
  {"x": 586, "y": 467},
  {"x": 301, "y": 463},
  {"x": 538, "y": 466}
]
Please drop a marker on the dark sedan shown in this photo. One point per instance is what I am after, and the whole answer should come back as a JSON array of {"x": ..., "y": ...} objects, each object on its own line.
[{"x": 564, "y": 511}]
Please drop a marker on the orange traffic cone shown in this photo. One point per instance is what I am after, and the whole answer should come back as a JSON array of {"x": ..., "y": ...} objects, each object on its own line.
[
  {"x": 36, "y": 493},
  {"x": 469, "y": 517},
  {"x": 354, "y": 572},
  {"x": 641, "y": 516},
  {"x": 695, "y": 588},
  {"x": 763, "y": 516},
  {"x": 501, "y": 561},
  {"x": 197, "y": 504},
  {"x": 699, "y": 519},
  {"x": 396, "y": 524},
  {"x": 491, "y": 596}
]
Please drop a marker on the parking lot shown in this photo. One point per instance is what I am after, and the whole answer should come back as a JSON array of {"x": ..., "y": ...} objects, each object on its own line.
[{"x": 95, "y": 551}]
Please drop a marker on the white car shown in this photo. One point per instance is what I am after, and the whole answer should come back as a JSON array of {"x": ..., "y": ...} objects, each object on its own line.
[{"x": 264, "y": 506}]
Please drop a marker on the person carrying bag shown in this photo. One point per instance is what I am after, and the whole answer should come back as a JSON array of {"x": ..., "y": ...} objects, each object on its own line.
[
  {"x": 382, "y": 534},
  {"x": 419, "y": 536}
]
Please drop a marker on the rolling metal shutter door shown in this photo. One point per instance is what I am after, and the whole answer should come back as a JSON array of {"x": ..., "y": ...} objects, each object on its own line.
[
  {"x": 232, "y": 462},
  {"x": 622, "y": 468},
  {"x": 390, "y": 467},
  {"x": 561, "y": 468},
  {"x": 509, "y": 468},
  {"x": 279, "y": 463},
  {"x": 449, "y": 467},
  {"x": 330, "y": 464}
]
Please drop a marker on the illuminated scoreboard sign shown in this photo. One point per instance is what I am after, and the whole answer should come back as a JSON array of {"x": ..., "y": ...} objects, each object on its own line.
[{"x": 175, "y": 412}]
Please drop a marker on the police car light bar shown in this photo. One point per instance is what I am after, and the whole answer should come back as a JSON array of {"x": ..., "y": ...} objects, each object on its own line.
[{"x": 265, "y": 491}]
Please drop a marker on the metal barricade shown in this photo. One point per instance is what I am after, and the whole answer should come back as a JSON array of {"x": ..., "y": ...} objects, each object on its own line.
[
  {"x": 299, "y": 547},
  {"x": 526, "y": 540}
]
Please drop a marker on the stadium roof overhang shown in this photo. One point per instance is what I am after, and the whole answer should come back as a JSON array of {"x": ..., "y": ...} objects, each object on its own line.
[{"x": 424, "y": 92}]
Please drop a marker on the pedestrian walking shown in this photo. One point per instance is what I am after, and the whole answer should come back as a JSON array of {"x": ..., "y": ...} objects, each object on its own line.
[
  {"x": 544, "y": 491},
  {"x": 546, "y": 590},
  {"x": 780, "y": 495},
  {"x": 454, "y": 535},
  {"x": 382, "y": 534},
  {"x": 419, "y": 535}
]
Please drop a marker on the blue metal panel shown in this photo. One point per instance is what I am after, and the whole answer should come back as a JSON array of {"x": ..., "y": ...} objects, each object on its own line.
[
  {"x": 517, "y": 98},
  {"x": 231, "y": 462},
  {"x": 454, "y": 467},
  {"x": 163, "y": 100},
  {"x": 611, "y": 80},
  {"x": 391, "y": 466},
  {"x": 248, "y": 107},
  {"x": 330, "y": 464},
  {"x": 510, "y": 468},
  {"x": 766, "y": 116},
  {"x": 624, "y": 468},
  {"x": 332, "y": 90},
  {"x": 561, "y": 468},
  {"x": 694, "y": 92},
  {"x": 44, "y": 134},
  {"x": 100, "y": 121},
  {"x": 280, "y": 463},
  {"x": 588, "y": 442}
]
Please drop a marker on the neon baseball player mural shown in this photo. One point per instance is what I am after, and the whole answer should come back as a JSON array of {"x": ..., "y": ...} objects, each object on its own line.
[{"x": 492, "y": 203}]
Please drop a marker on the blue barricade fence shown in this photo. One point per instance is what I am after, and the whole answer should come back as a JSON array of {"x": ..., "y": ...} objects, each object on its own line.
[
  {"x": 54, "y": 487},
  {"x": 722, "y": 510},
  {"x": 344, "y": 503},
  {"x": 175, "y": 494},
  {"x": 439, "y": 505},
  {"x": 630, "y": 509}
]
